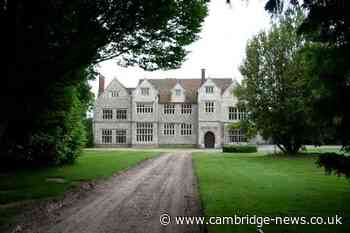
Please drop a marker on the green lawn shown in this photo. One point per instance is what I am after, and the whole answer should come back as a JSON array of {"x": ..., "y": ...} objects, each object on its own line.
[
  {"x": 260, "y": 185},
  {"x": 33, "y": 184}
]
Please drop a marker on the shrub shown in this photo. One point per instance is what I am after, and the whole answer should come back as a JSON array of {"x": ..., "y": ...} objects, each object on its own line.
[
  {"x": 89, "y": 134},
  {"x": 57, "y": 139},
  {"x": 239, "y": 149},
  {"x": 335, "y": 163}
]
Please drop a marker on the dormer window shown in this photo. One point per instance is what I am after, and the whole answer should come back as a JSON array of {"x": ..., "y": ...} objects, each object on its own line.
[
  {"x": 209, "y": 89},
  {"x": 177, "y": 92},
  {"x": 145, "y": 91},
  {"x": 112, "y": 94}
]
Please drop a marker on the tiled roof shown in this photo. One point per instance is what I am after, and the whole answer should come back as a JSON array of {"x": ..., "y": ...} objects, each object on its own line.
[{"x": 191, "y": 87}]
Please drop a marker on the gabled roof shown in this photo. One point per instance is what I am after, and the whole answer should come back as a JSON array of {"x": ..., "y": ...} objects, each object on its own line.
[
  {"x": 191, "y": 87},
  {"x": 115, "y": 80}
]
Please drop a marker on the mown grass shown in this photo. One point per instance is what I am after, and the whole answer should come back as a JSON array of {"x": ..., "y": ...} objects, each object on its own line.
[
  {"x": 33, "y": 184},
  {"x": 261, "y": 185}
]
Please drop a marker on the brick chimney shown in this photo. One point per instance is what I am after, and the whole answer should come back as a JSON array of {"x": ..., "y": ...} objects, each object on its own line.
[
  {"x": 101, "y": 84},
  {"x": 203, "y": 76}
]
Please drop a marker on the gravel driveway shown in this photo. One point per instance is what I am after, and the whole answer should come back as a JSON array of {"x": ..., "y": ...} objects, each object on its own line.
[{"x": 132, "y": 201}]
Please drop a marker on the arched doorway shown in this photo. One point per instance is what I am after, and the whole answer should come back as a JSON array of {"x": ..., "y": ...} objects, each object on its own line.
[{"x": 209, "y": 140}]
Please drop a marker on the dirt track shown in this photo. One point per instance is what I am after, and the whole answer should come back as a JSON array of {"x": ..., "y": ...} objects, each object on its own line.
[{"x": 132, "y": 201}]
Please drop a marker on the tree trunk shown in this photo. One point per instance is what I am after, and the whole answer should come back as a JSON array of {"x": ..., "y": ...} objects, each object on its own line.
[
  {"x": 290, "y": 148},
  {"x": 282, "y": 148}
]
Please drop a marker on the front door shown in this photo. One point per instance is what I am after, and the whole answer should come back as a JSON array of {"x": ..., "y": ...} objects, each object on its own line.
[{"x": 209, "y": 140}]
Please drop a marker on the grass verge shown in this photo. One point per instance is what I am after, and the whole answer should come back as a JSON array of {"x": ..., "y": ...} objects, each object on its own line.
[
  {"x": 43, "y": 183},
  {"x": 270, "y": 186}
]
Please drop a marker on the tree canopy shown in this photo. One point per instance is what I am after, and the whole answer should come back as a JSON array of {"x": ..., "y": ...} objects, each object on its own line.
[
  {"x": 49, "y": 45},
  {"x": 328, "y": 22},
  {"x": 275, "y": 85}
]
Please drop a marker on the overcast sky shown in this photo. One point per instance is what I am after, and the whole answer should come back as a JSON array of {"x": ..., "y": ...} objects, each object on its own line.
[{"x": 220, "y": 49}]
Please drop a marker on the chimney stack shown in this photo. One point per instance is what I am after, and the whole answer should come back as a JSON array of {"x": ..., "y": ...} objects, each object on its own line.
[
  {"x": 203, "y": 75},
  {"x": 101, "y": 84}
]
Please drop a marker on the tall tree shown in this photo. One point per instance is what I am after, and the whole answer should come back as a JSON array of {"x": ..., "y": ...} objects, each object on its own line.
[
  {"x": 47, "y": 44},
  {"x": 274, "y": 87},
  {"x": 328, "y": 22}
]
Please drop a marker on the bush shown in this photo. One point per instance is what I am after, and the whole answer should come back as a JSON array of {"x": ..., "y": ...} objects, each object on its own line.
[
  {"x": 57, "y": 139},
  {"x": 239, "y": 149},
  {"x": 335, "y": 163},
  {"x": 89, "y": 134}
]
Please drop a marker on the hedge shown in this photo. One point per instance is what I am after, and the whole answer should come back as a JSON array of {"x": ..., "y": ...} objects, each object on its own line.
[{"x": 239, "y": 148}]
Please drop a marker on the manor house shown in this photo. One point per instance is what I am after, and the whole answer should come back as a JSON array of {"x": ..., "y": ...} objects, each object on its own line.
[{"x": 167, "y": 112}]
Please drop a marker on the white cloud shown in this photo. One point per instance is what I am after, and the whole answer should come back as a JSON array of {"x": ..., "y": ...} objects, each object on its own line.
[{"x": 220, "y": 50}]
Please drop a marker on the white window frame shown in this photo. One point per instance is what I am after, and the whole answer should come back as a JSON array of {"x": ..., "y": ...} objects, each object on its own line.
[
  {"x": 178, "y": 92},
  {"x": 236, "y": 136},
  {"x": 107, "y": 135},
  {"x": 235, "y": 113},
  {"x": 144, "y": 132},
  {"x": 186, "y": 129},
  {"x": 142, "y": 108},
  {"x": 107, "y": 114},
  {"x": 169, "y": 129},
  {"x": 145, "y": 91},
  {"x": 112, "y": 94},
  {"x": 232, "y": 113},
  {"x": 121, "y": 114},
  {"x": 169, "y": 108},
  {"x": 120, "y": 136},
  {"x": 209, "y": 107},
  {"x": 186, "y": 108},
  {"x": 209, "y": 89}
]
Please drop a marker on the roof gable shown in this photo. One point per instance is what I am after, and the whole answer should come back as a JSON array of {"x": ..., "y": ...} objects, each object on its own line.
[
  {"x": 209, "y": 82},
  {"x": 191, "y": 87},
  {"x": 222, "y": 83},
  {"x": 228, "y": 92},
  {"x": 144, "y": 83},
  {"x": 115, "y": 85},
  {"x": 175, "y": 96},
  {"x": 177, "y": 86}
]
